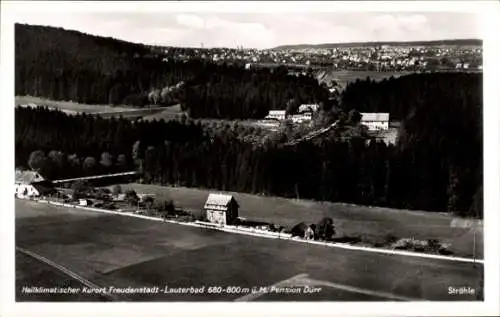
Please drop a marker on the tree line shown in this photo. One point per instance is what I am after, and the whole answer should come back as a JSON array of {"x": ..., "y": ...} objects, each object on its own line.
[{"x": 85, "y": 145}]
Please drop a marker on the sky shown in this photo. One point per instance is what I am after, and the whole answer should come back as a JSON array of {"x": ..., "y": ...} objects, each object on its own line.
[{"x": 263, "y": 30}]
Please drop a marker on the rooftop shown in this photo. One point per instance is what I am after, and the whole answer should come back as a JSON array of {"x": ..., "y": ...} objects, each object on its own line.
[
  {"x": 380, "y": 116},
  {"x": 277, "y": 112},
  {"x": 218, "y": 200},
  {"x": 28, "y": 177}
]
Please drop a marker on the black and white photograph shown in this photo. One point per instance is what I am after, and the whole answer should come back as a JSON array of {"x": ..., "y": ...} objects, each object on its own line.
[{"x": 205, "y": 153}]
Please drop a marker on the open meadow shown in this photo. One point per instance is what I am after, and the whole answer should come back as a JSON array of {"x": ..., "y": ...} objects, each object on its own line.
[
  {"x": 343, "y": 77},
  {"x": 112, "y": 250},
  {"x": 373, "y": 224},
  {"x": 166, "y": 113},
  {"x": 69, "y": 106},
  {"x": 104, "y": 111}
]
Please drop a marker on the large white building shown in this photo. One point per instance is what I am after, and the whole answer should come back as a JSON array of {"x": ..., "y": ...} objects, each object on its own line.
[
  {"x": 375, "y": 121},
  {"x": 276, "y": 115},
  {"x": 299, "y": 118}
]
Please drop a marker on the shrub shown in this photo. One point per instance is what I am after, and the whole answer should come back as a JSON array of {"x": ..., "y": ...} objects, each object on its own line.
[
  {"x": 131, "y": 197},
  {"x": 117, "y": 189},
  {"x": 165, "y": 206},
  {"x": 390, "y": 238},
  {"x": 434, "y": 244}
]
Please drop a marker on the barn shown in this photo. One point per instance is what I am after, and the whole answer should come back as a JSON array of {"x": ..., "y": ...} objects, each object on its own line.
[
  {"x": 221, "y": 209},
  {"x": 29, "y": 184}
]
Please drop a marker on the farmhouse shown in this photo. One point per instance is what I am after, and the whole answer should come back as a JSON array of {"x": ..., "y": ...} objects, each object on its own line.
[
  {"x": 221, "y": 209},
  {"x": 276, "y": 115},
  {"x": 29, "y": 184},
  {"x": 375, "y": 121}
]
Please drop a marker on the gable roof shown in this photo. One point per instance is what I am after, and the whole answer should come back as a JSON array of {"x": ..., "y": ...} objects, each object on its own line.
[
  {"x": 219, "y": 201},
  {"x": 277, "y": 112},
  {"x": 28, "y": 177},
  {"x": 44, "y": 187},
  {"x": 375, "y": 116}
]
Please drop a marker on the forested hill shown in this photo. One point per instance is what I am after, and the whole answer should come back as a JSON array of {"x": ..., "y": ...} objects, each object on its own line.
[
  {"x": 449, "y": 93},
  {"x": 67, "y": 65},
  {"x": 456, "y": 42}
]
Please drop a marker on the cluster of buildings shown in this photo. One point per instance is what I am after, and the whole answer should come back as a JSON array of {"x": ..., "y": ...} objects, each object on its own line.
[
  {"x": 304, "y": 114},
  {"x": 373, "y": 121},
  {"x": 373, "y": 58},
  {"x": 219, "y": 209}
]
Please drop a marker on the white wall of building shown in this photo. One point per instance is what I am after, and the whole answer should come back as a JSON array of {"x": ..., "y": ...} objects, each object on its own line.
[
  {"x": 26, "y": 191},
  {"x": 298, "y": 118},
  {"x": 376, "y": 125},
  {"x": 375, "y": 121},
  {"x": 216, "y": 216},
  {"x": 277, "y": 115}
]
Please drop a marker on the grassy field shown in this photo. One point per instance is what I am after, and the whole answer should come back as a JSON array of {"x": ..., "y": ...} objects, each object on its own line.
[
  {"x": 368, "y": 223},
  {"x": 69, "y": 106},
  {"x": 30, "y": 272},
  {"x": 166, "y": 113},
  {"x": 105, "y": 111},
  {"x": 122, "y": 251}
]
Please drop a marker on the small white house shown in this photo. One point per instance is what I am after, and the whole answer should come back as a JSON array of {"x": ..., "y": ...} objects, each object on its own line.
[
  {"x": 375, "y": 121},
  {"x": 279, "y": 115},
  {"x": 85, "y": 202},
  {"x": 221, "y": 209},
  {"x": 308, "y": 108}
]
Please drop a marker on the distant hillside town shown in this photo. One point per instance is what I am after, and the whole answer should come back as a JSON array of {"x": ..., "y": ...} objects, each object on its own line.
[{"x": 416, "y": 56}]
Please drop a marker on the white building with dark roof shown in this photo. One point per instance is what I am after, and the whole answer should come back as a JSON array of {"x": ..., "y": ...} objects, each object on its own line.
[
  {"x": 375, "y": 121},
  {"x": 221, "y": 209},
  {"x": 29, "y": 184},
  {"x": 276, "y": 115}
]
